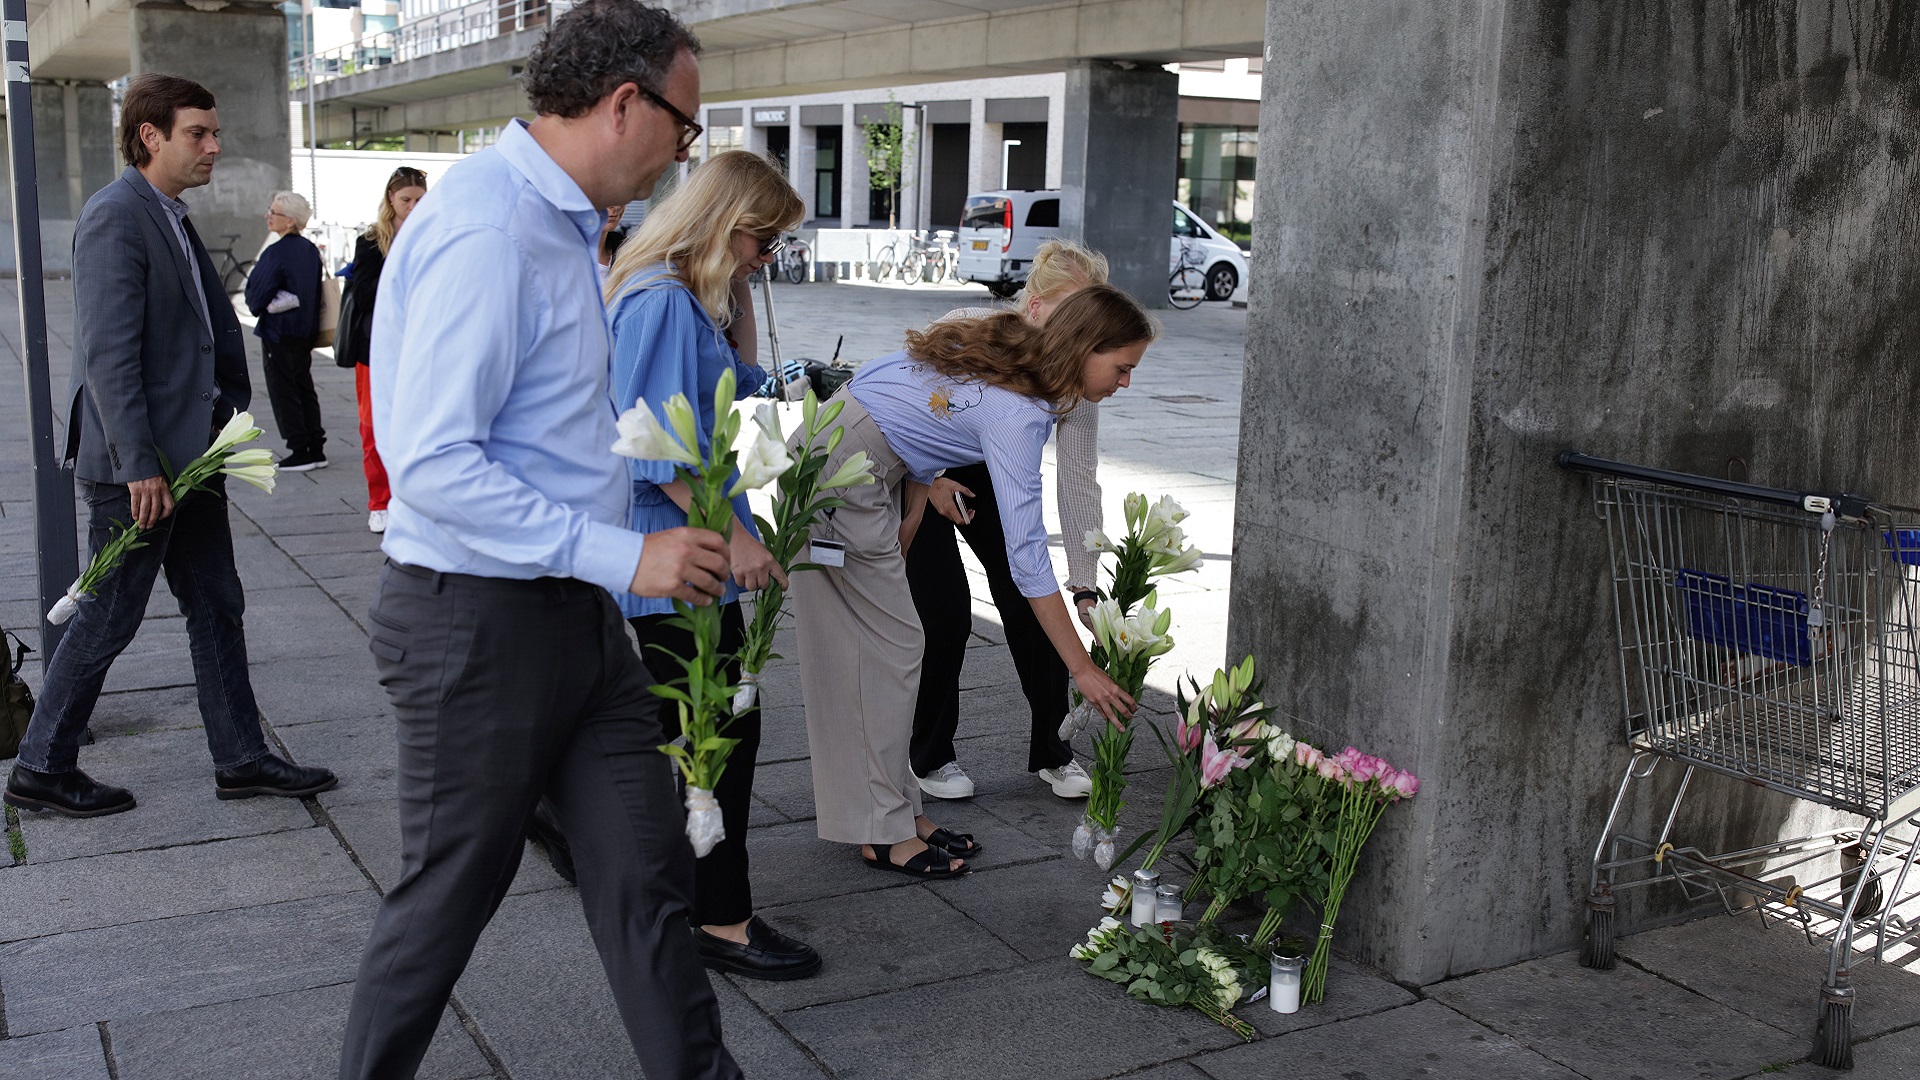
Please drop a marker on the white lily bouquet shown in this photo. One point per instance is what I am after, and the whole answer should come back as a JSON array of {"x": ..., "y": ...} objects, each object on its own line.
[
  {"x": 1126, "y": 642},
  {"x": 704, "y": 697},
  {"x": 801, "y": 496},
  {"x": 255, "y": 466}
]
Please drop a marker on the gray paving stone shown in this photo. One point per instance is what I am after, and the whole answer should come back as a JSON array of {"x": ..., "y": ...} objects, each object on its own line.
[
  {"x": 1045, "y": 1018},
  {"x": 757, "y": 1042},
  {"x": 362, "y": 752},
  {"x": 875, "y": 942},
  {"x": 760, "y": 813},
  {"x": 1772, "y": 974},
  {"x": 792, "y": 865},
  {"x": 787, "y": 787},
  {"x": 372, "y": 830},
  {"x": 343, "y": 564},
  {"x": 537, "y": 991},
  {"x": 73, "y": 1054},
  {"x": 121, "y": 971},
  {"x": 1178, "y": 1070},
  {"x": 171, "y": 776},
  {"x": 1617, "y": 1022},
  {"x": 1418, "y": 1041},
  {"x": 130, "y": 712},
  {"x": 1041, "y": 909},
  {"x": 293, "y": 1036},
  {"x": 304, "y": 689},
  {"x": 140, "y": 886}
]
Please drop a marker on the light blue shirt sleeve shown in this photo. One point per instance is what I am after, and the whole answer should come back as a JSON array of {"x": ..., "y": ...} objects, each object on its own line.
[
  {"x": 450, "y": 396},
  {"x": 1012, "y": 449}
]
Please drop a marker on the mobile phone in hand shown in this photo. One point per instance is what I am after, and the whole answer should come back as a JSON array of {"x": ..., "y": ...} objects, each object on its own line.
[{"x": 960, "y": 503}]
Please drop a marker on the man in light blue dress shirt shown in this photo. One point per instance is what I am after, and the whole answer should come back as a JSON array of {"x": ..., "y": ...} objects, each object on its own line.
[{"x": 494, "y": 629}]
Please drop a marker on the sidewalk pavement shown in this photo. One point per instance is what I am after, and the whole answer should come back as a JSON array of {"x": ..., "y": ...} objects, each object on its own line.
[{"x": 196, "y": 938}]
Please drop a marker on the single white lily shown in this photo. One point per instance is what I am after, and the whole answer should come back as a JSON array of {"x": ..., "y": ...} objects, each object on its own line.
[
  {"x": 642, "y": 437},
  {"x": 853, "y": 472},
  {"x": 685, "y": 422},
  {"x": 238, "y": 430},
  {"x": 258, "y": 455},
  {"x": 1097, "y": 542},
  {"x": 260, "y": 476},
  {"x": 768, "y": 418},
  {"x": 765, "y": 460}
]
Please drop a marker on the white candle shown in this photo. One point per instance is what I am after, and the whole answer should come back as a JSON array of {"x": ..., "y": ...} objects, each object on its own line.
[
  {"x": 1283, "y": 986},
  {"x": 1144, "y": 883}
]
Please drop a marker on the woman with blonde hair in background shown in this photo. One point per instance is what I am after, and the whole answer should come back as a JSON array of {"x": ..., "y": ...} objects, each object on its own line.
[
  {"x": 940, "y": 592},
  {"x": 682, "y": 316},
  {"x": 405, "y": 188},
  {"x": 963, "y": 392}
]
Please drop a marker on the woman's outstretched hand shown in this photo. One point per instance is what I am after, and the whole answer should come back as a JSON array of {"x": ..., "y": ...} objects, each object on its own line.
[{"x": 1105, "y": 694}]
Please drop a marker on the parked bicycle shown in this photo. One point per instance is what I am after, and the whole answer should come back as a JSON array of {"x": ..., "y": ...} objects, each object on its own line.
[
  {"x": 233, "y": 270},
  {"x": 793, "y": 259},
  {"x": 937, "y": 256},
  {"x": 1188, "y": 284},
  {"x": 890, "y": 261}
]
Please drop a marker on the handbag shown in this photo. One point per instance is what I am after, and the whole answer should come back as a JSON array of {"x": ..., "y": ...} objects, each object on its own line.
[
  {"x": 323, "y": 333},
  {"x": 347, "y": 348},
  {"x": 16, "y": 700}
]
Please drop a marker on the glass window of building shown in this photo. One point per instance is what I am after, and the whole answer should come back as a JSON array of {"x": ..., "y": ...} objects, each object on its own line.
[{"x": 1216, "y": 176}]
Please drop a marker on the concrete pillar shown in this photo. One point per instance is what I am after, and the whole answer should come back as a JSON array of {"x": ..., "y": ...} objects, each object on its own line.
[
  {"x": 240, "y": 53},
  {"x": 74, "y": 157},
  {"x": 1119, "y": 160},
  {"x": 1492, "y": 230}
]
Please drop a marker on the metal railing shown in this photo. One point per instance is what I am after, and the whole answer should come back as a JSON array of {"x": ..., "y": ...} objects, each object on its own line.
[{"x": 442, "y": 31}]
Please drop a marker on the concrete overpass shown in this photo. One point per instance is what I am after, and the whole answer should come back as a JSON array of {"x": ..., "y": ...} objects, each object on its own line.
[{"x": 754, "y": 47}]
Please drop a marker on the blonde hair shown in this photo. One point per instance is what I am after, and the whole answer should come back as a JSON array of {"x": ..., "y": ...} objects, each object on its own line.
[
  {"x": 385, "y": 223},
  {"x": 1043, "y": 362},
  {"x": 1061, "y": 266},
  {"x": 691, "y": 230},
  {"x": 295, "y": 206}
]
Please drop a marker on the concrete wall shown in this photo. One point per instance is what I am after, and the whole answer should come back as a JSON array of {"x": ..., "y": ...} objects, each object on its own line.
[
  {"x": 1666, "y": 232},
  {"x": 1119, "y": 160},
  {"x": 239, "y": 53}
]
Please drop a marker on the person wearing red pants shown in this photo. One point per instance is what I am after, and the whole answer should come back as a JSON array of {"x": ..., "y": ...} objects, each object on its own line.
[{"x": 405, "y": 188}]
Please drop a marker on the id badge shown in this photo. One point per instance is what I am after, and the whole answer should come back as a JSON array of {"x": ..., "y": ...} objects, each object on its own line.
[{"x": 828, "y": 553}]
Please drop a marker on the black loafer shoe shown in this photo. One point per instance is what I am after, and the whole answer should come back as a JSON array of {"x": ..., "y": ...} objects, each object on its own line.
[
  {"x": 768, "y": 954},
  {"x": 74, "y": 794},
  {"x": 271, "y": 776}
]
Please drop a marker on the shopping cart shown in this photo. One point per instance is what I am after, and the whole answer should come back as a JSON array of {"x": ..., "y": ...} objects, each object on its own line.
[{"x": 1771, "y": 636}]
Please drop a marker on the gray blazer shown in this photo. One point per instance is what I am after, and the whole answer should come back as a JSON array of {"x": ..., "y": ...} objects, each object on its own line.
[{"x": 148, "y": 377}]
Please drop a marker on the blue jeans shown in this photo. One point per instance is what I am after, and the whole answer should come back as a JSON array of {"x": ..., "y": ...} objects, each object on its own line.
[{"x": 195, "y": 548}]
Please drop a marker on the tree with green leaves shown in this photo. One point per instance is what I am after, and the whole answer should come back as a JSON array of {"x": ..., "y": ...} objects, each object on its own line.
[{"x": 888, "y": 144}]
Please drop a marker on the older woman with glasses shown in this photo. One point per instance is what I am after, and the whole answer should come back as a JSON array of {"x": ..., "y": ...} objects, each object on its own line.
[
  {"x": 682, "y": 316},
  {"x": 284, "y": 292}
]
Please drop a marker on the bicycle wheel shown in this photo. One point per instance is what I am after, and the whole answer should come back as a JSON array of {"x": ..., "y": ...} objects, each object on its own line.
[
  {"x": 910, "y": 267},
  {"x": 1186, "y": 288},
  {"x": 796, "y": 266},
  {"x": 235, "y": 279}
]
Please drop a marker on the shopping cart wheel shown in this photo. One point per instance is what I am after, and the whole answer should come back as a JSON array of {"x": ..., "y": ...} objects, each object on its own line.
[
  {"x": 1597, "y": 952},
  {"x": 1833, "y": 1041}
]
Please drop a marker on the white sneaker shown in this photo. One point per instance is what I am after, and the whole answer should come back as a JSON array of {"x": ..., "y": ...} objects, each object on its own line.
[
  {"x": 948, "y": 781},
  {"x": 1069, "y": 781},
  {"x": 377, "y": 521}
]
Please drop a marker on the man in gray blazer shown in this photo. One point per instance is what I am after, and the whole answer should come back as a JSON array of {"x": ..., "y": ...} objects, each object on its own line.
[{"x": 158, "y": 366}]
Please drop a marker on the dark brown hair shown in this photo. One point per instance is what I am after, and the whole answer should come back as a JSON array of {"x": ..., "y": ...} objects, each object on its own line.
[
  {"x": 599, "y": 45},
  {"x": 1043, "y": 362},
  {"x": 156, "y": 99}
]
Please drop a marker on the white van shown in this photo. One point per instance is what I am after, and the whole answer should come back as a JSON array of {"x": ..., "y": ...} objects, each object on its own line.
[{"x": 1001, "y": 230}]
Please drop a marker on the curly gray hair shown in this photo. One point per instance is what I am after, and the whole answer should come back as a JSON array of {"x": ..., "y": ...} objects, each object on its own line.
[{"x": 598, "y": 45}]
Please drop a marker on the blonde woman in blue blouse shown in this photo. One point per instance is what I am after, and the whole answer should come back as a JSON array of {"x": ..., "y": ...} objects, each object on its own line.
[{"x": 681, "y": 313}]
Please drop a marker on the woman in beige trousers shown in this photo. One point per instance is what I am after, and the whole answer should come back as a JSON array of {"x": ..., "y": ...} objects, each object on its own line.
[{"x": 963, "y": 392}]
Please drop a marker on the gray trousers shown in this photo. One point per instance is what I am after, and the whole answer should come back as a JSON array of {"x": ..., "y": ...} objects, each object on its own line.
[
  {"x": 505, "y": 690},
  {"x": 860, "y": 648}
]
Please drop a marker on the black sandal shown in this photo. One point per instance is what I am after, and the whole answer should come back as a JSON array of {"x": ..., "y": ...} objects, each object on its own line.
[
  {"x": 931, "y": 863},
  {"x": 961, "y": 845}
]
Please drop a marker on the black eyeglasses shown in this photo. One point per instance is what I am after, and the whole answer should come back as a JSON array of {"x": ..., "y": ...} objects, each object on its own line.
[
  {"x": 772, "y": 246},
  {"x": 692, "y": 131}
]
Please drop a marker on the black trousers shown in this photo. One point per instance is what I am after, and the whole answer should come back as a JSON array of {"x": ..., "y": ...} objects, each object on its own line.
[
  {"x": 941, "y": 596},
  {"x": 722, "y": 894},
  {"x": 504, "y": 690},
  {"x": 296, "y": 407}
]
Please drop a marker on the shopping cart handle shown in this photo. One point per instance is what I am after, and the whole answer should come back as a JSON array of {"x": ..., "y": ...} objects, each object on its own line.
[{"x": 1845, "y": 506}]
